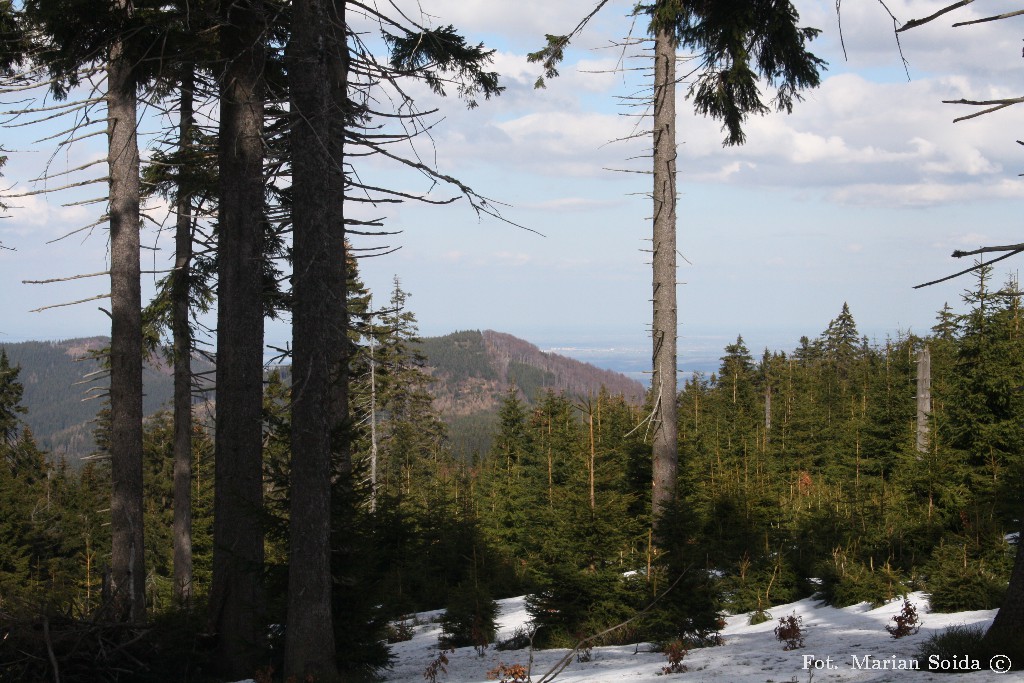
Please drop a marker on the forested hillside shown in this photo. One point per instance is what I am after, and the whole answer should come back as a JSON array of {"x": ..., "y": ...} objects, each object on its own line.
[
  {"x": 64, "y": 386},
  {"x": 472, "y": 372}
]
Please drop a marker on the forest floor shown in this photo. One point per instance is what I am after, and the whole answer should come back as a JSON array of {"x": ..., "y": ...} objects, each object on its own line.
[{"x": 750, "y": 654}]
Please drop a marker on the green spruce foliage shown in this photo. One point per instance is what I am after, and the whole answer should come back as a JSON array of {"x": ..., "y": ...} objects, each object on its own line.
[{"x": 800, "y": 475}]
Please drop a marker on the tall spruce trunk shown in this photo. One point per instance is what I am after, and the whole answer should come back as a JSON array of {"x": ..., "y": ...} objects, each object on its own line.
[
  {"x": 128, "y": 572},
  {"x": 341, "y": 345},
  {"x": 236, "y": 596},
  {"x": 181, "y": 331},
  {"x": 309, "y": 645},
  {"x": 663, "y": 379}
]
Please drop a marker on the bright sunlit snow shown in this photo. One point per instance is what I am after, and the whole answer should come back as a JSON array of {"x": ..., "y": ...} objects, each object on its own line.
[{"x": 751, "y": 654}]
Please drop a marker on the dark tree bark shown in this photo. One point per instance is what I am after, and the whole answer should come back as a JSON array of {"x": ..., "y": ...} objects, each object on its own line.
[
  {"x": 127, "y": 557},
  {"x": 663, "y": 379},
  {"x": 237, "y": 598},
  {"x": 181, "y": 331},
  {"x": 309, "y": 647},
  {"x": 341, "y": 345},
  {"x": 1009, "y": 621}
]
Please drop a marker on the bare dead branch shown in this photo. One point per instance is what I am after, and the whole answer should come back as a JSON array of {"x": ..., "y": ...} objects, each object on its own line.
[
  {"x": 381, "y": 251},
  {"x": 97, "y": 200},
  {"x": 71, "y": 303},
  {"x": 64, "y": 279},
  {"x": 914, "y": 23},
  {"x": 420, "y": 198},
  {"x": 987, "y": 250},
  {"x": 994, "y": 105},
  {"x": 839, "y": 21},
  {"x": 58, "y": 189},
  {"x": 968, "y": 270},
  {"x": 995, "y": 18},
  {"x": 896, "y": 32},
  {"x": 33, "y": 122},
  {"x": 65, "y": 106},
  {"x": 103, "y": 219},
  {"x": 72, "y": 130},
  {"x": 48, "y": 176}
]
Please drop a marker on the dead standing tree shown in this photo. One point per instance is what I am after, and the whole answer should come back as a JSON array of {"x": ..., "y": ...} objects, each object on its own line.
[
  {"x": 128, "y": 572},
  {"x": 738, "y": 46},
  {"x": 1009, "y": 621}
]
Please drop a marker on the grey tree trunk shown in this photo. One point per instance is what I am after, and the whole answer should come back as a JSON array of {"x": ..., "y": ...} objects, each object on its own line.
[
  {"x": 316, "y": 308},
  {"x": 181, "y": 331},
  {"x": 663, "y": 378},
  {"x": 128, "y": 572},
  {"x": 924, "y": 397},
  {"x": 236, "y": 595},
  {"x": 592, "y": 459}
]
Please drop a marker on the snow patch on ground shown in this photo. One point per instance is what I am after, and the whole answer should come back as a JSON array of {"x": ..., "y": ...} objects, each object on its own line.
[{"x": 751, "y": 654}]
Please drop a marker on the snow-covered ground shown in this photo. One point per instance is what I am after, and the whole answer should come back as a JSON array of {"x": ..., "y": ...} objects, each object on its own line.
[{"x": 751, "y": 654}]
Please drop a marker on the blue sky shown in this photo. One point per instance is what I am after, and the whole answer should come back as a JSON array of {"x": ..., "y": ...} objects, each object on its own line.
[{"x": 858, "y": 195}]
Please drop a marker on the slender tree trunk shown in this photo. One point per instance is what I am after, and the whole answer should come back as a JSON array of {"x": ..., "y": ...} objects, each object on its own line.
[
  {"x": 551, "y": 469},
  {"x": 182, "y": 333},
  {"x": 924, "y": 397},
  {"x": 236, "y": 596},
  {"x": 373, "y": 417},
  {"x": 593, "y": 456},
  {"x": 309, "y": 646},
  {"x": 128, "y": 572},
  {"x": 663, "y": 379}
]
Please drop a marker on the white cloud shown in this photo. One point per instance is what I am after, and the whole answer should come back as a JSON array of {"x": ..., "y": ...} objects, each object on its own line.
[
  {"x": 522, "y": 21},
  {"x": 38, "y": 214},
  {"x": 571, "y": 204},
  {"x": 925, "y": 194},
  {"x": 852, "y": 131},
  {"x": 512, "y": 259}
]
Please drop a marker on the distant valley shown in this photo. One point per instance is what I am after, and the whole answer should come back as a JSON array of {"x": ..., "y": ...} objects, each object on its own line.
[{"x": 472, "y": 371}]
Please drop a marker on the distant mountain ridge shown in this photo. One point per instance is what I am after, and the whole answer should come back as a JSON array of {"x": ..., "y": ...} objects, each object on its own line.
[
  {"x": 472, "y": 373},
  {"x": 474, "y": 370},
  {"x": 64, "y": 387}
]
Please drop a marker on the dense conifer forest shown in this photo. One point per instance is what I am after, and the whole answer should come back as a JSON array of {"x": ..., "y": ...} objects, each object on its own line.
[
  {"x": 803, "y": 472},
  {"x": 287, "y": 530}
]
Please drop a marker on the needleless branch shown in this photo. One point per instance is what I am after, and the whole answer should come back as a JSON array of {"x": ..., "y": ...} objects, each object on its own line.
[{"x": 991, "y": 106}]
